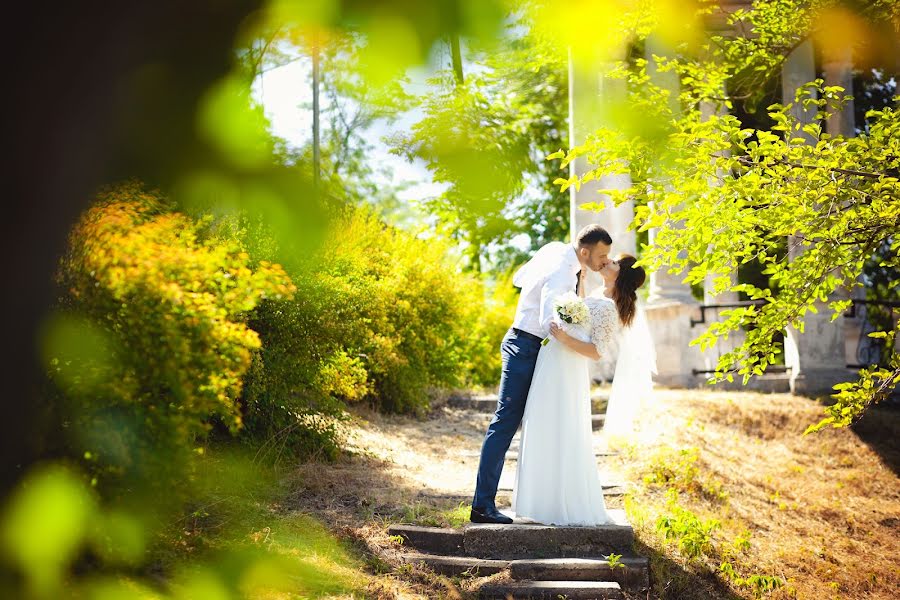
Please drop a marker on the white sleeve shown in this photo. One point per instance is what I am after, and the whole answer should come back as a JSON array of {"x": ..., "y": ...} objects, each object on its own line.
[{"x": 558, "y": 283}]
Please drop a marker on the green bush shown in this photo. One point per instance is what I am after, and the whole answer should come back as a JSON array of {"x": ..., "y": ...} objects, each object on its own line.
[
  {"x": 379, "y": 316},
  {"x": 493, "y": 320},
  {"x": 175, "y": 322},
  {"x": 153, "y": 342}
]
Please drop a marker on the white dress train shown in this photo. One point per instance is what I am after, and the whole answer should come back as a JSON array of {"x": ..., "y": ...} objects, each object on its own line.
[
  {"x": 557, "y": 481},
  {"x": 632, "y": 385}
]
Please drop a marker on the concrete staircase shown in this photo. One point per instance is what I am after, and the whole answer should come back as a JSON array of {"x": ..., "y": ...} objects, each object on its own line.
[
  {"x": 539, "y": 561},
  {"x": 534, "y": 560},
  {"x": 488, "y": 404}
]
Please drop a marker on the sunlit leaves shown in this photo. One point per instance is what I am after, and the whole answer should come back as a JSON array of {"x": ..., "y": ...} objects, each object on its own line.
[
  {"x": 808, "y": 206},
  {"x": 485, "y": 140}
]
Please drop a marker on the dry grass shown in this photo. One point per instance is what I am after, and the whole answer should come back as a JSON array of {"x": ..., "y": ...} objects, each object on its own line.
[
  {"x": 822, "y": 511},
  {"x": 397, "y": 469}
]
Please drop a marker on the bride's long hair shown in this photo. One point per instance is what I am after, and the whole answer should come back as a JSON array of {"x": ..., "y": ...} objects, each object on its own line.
[{"x": 624, "y": 293}]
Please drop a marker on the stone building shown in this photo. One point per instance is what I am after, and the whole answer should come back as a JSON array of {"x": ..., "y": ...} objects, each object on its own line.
[{"x": 814, "y": 361}]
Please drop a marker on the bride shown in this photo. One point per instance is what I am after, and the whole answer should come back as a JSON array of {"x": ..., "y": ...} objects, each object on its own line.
[{"x": 557, "y": 482}]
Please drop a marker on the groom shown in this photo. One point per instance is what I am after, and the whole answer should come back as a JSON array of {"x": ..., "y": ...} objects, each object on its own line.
[{"x": 553, "y": 270}]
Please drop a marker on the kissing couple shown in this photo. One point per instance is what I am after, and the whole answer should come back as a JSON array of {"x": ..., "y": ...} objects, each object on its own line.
[{"x": 546, "y": 386}]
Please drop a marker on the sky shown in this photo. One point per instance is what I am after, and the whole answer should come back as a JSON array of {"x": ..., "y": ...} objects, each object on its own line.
[{"x": 285, "y": 92}]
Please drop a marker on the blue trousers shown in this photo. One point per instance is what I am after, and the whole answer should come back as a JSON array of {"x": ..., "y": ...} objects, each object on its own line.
[{"x": 518, "y": 355}]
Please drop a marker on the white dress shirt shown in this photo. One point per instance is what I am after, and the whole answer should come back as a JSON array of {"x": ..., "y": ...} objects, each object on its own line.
[{"x": 551, "y": 272}]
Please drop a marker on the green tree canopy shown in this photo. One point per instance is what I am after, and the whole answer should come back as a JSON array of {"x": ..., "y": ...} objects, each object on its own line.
[
  {"x": 485, "y": 138},
  {"x": 720, "y": 195}
]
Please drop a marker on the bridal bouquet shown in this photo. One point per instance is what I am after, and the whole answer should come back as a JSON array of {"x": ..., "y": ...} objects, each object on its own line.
[{"x": 571, "y": 309}]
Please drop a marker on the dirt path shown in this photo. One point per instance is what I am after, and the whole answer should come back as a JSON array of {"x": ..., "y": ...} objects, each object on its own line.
[{"x": 438, "y": 457}]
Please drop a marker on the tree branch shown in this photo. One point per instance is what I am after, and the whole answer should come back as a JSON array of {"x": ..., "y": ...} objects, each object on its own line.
[{"x": 747, "y": 161}]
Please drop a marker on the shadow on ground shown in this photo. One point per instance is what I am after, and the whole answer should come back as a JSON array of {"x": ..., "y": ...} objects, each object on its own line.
[
  {"x": 672, "y": 581},
  {"x": 879, "y": 429}
]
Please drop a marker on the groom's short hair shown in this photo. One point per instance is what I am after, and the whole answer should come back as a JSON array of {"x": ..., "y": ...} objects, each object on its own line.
[{"x": 590, "y": 235}]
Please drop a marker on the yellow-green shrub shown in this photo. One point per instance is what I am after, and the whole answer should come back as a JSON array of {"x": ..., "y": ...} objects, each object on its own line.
[
  {"x": 379, "y": 315},
  {"x": 195, "y": 325},
  {"x": 493, "y": 319},
  {"x": 172, "y": 301}
]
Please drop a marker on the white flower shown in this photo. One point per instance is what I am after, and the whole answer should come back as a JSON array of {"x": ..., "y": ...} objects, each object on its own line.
[{"x": 572, "y": 309}]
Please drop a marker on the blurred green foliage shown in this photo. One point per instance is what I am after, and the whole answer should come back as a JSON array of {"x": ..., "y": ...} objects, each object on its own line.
[
  {"x": 177, "y": 319},
  {"x": 173, "y": 325},
  {"x": 486, "y": 137},
  {"x": 227, "y": 542}
]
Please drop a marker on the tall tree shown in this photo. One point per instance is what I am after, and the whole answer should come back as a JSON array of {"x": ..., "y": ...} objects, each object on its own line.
[{"x": 485, "y": 138}]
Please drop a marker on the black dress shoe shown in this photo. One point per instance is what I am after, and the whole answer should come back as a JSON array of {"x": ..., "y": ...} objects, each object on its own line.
[{"x": 489, "y": 515}]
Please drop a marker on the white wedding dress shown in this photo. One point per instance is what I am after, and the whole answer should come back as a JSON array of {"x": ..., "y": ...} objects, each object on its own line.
[{"x": 557, "y": 481}]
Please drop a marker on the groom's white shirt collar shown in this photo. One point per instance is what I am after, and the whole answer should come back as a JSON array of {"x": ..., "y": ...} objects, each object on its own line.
[{"x": 552, "y": 271}]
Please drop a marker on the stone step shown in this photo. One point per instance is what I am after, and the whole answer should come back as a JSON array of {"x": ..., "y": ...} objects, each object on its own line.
[
  {"x": 609, "y": 480},
  {"x": 597, "y": 421},
  {"x": 452, "y": 566},
  {"x": 520, "y": 540},
  {"x": 488, "y": 403},
  {"x": 513, "y": 454},
  {"x": 600, "y": 446},
  {"x": 634, "y": 573},
  {"x": 547, "y": 541},
  {"x": 610, "y": 488},
  {"x": 436, "y": 540},
  {"x": 553, "y": 590}
]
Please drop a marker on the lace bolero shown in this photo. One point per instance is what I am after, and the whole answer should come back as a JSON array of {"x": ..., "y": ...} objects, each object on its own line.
[{"x": 605, "y": 324}]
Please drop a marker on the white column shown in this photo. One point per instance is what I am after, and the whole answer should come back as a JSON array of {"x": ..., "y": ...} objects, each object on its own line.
[
  {"x": 817, "y": 357},
  {"x": 799, "y": 69},
  {"x": 724, "y": 297},
  {"x": 708, "y": 110},
  {"x": 665, "y": 287},
  {"x": 838, "y": 67},
  {"x": 591, "y": 93},
  {"x": 671, "y": 304}
]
